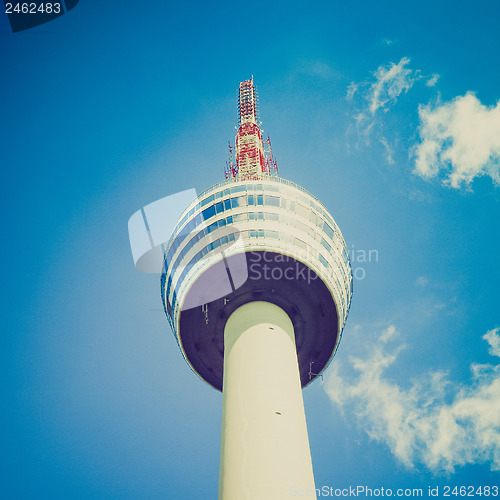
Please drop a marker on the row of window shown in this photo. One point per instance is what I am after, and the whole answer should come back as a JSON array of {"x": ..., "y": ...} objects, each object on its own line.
[
  {"x": 239, "y": 188},
  {"x": 216, "y": 209},
  {"x": 252, "y": 233},
  {"x": 197, "y": 237},
  {"x": 220, "y": 242},
  {"x": 256, "y": 199},
  {"x": 252, "y": 200},
  {"x": 242, "y": 217}
]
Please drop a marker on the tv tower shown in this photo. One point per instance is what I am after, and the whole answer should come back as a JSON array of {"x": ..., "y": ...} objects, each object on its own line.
[{"x": 257, "y": 286}]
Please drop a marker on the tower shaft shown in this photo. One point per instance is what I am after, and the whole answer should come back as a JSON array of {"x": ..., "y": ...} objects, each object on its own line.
[{"x": 264, "y": 448}]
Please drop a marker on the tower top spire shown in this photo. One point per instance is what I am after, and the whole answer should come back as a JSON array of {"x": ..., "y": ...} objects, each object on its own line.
[
  {"x": 253, "y": 156},
  {"x": 247, "y": 102}
]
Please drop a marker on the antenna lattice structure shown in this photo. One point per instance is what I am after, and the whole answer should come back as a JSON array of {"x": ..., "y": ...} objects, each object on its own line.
[{"x": 253, "y": 155}]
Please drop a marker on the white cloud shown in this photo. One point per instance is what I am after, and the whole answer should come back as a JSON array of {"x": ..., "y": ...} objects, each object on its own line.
[
  {"x": 461, "y": 137},
  {"x": 422, "y": 424},
  {"x": 382, "y": 91},
  {"x": 389, "y": 153},
  {"x": 389, "y": 83},
  {"x": 351, "y": 90},
  {"x": 431, "y": 82},
  {"x": 374, "y": 97},
  {"x": 493, "y": 338}
]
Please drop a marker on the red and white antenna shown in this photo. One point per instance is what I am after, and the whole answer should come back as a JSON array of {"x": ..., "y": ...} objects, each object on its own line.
[
  {"x": 252, "y": 161},
  {"x": 271, "y": 167},
  {"x": 231, "y": 170}
]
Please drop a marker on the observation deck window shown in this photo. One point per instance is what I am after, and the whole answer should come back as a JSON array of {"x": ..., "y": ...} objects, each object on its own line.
[
  {"x": 345, "y": 257},
  {"x": 326, "y": 245},
  {"x": 212, "y": 227},
  {"x": 313, "y": 217},
  {"x": 303, "y": 198},
  {"x": 272, "y": 201},
  {"x": 256, "y": 233},
  {"x": 240, "y": 217},
  {"x": 208, "y": 212},
  {"x": 238, "y": 201},
  {"x": 181, "y": 222},
  {"x": 195, "y": 222},
  {"x": 256, "y": 215},
  {"x": 327, "y": 229},
  {"x": 207, "y": 200}
]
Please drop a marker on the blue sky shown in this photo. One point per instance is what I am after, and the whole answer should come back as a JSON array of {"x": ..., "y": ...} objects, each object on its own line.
[{"x": 386, "y": 111}]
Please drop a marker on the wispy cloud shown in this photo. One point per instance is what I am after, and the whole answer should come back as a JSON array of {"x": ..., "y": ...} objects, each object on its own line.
[
  {"x": 493, "y": 338},
  {"x": 375, "y": 96},
  {"x": 460, "y": 137},
  {"x": 390, "y": 81},
  {"x": 431, "y": 81},
  {"x": 382, "y": 91},
  {"x": 435, "y": 422},
  {"x": 388, "y": 151},
  {"x": 351, "y": 90}
]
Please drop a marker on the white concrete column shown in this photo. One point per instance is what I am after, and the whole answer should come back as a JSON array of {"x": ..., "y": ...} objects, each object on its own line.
[{"x": 264, "y": 444}]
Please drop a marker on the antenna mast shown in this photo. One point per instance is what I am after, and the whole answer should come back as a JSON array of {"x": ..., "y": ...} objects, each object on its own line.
[{"x": 252, "y": 160}]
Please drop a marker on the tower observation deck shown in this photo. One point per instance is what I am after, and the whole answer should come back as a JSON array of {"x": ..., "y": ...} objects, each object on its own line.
[{"x": 257, "y": 286}]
